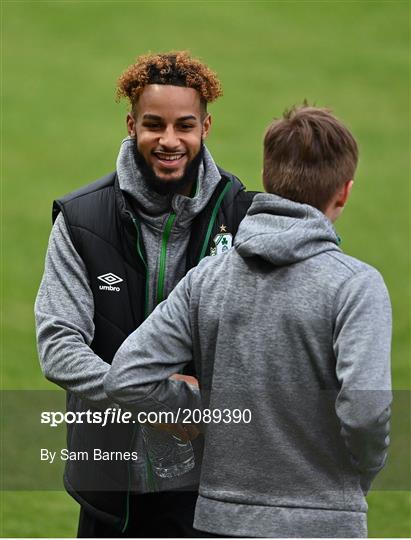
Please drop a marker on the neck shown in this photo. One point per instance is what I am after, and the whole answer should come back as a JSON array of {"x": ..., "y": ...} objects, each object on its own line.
[{"x": 189, "y": 190}]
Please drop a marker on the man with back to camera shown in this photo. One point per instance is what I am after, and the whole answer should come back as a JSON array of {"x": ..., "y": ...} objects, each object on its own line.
[
  {"x": 292, "y": 330},
  {"x": 117, "y": 248}
]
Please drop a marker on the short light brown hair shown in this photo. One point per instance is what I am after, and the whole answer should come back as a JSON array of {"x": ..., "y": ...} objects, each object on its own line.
[
  {"x": 308, "y": 156},
  {"x": 176, "y": 68}
]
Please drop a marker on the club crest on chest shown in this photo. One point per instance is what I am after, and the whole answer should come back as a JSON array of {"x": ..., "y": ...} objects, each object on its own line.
[{"x": 223, "y": 241}]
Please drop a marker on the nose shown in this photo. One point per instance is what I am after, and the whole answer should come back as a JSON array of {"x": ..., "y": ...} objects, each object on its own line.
[{"x": 169, "y": 138}]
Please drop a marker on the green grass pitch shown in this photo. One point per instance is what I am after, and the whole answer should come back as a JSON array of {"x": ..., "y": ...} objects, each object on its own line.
[{"x": 62, "y": 128}]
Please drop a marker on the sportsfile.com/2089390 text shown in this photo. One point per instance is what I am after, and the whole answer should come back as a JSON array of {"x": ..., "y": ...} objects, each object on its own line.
[{"x": 117, "y": 416}]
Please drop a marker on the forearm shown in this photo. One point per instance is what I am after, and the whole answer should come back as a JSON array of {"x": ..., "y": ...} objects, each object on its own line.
[
  {"x": 362, "y": 346},
  {"x": 159, "y": 348},
  {"x": 64, "y": 322},
  {"x": 139, "y": 377},
  {"x": 166, "y": 395},
  {"x": 365, "y": 426},
  {"x": 69, "y": 362}
]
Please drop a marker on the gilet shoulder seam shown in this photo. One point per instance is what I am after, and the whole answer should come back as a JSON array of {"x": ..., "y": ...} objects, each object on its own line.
[{"x": 101, "y": 188}]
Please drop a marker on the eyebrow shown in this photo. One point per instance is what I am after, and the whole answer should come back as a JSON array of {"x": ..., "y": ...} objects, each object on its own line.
[{"x": 181, "y": 119}]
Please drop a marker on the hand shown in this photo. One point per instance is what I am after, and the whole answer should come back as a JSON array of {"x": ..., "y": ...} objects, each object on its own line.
[
  {"x": 186, "y": 378},
  {"x": 185, "y": 432}
]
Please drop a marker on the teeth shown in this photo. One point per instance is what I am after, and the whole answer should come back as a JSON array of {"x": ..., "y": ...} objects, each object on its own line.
[{"x": 168, "y": 157}]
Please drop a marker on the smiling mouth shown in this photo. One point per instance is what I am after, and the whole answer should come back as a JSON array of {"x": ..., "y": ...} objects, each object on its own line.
[{"x": 168, "y": 158}]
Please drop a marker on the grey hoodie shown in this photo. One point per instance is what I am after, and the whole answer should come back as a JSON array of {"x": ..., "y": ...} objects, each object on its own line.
[
  {"x": 64, "y": 307},
  {"x": 291, "y": 328}
]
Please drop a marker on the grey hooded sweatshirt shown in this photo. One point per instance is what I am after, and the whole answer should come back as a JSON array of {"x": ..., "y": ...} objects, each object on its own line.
[
  {"x": 64, "y": 307},
  {"x": 289, "y": 327}
]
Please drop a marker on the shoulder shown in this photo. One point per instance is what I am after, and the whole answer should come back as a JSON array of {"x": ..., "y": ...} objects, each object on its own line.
[
  {"x": 85, "y": 197},
  {"x": 237, "y": 200},
  {"x": 359, "y": 282},
  {"x": 97, "y": 185},
  {"x": 238, "y": 189},
  {"x": 348, "y": 266}
]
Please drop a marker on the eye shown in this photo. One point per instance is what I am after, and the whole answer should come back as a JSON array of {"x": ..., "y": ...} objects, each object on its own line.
[
  {"x": 186, "y": 127},
  {"x": 152, "y": 125}
]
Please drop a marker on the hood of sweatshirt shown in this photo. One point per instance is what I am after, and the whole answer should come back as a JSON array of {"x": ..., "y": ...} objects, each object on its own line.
[
  {"x": 284, "y": 232},
  {"x": 152, "y": 205}
]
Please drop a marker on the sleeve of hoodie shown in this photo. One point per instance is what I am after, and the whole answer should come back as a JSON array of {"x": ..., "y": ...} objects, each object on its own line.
[
  {"x": 64, "y": 313},
  {"x": 362, "y": 345},
  {"x": 159, "y": 348}
]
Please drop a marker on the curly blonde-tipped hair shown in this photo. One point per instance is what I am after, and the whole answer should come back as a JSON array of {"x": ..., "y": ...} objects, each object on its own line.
[{"x": 176, "y": 68}]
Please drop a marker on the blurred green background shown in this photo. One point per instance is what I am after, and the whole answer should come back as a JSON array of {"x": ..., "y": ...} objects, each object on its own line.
[{"x": 62, "y": 128}]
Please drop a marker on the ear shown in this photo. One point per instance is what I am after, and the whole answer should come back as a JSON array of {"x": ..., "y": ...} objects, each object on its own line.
[
  {"x": 343, "y": 194},
  {"x": 206, "y": 125},
  {"x": 131, "y": 125}
]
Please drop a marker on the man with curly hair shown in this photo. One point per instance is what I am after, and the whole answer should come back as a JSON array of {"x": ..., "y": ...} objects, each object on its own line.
[{"x": 117, "y": 249}]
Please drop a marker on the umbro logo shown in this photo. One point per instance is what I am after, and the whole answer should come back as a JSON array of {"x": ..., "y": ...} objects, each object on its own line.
[{"x": 109, "y": 279}]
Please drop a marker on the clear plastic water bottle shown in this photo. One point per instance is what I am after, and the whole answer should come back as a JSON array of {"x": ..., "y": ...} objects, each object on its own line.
[{"x": 170, "y": 456}]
